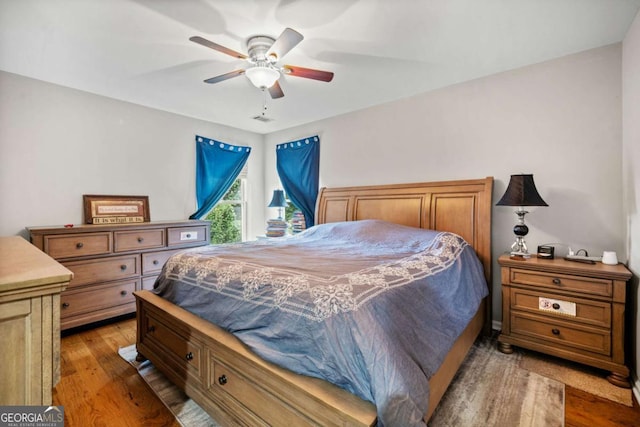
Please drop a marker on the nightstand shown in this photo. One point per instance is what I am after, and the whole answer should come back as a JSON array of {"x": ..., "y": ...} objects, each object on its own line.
[{"x": 566, "y": 309}]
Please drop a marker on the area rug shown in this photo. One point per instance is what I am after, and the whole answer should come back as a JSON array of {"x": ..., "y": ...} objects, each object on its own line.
[
  {"x": 490, "y": 389},
  {"x": 576, "y": 375}
]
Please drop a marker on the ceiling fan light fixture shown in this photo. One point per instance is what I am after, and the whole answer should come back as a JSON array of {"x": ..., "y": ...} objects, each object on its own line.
[{"x": 262, "y": 77}]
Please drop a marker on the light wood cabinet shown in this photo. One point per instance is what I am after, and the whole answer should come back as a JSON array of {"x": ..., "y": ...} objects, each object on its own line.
[
  {"x": 567, "y": 309},
  {"x": 30, "y": 286},
  {"x": 110, "y": 262}
]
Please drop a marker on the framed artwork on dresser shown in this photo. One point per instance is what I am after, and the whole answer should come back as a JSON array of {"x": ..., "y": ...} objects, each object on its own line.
[{"x": 101, "y": 209}]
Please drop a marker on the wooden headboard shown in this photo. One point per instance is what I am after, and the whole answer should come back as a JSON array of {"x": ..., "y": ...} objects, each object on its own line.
[{"x": 461, "y": 207}]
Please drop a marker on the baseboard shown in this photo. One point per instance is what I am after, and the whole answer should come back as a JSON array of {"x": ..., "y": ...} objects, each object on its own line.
[{"x": 496, "y": 325}]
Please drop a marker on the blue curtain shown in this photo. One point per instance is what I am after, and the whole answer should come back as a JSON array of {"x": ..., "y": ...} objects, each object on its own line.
[
  {"x": 217, "y": 167},
  {"x": 298, "y": 164}
]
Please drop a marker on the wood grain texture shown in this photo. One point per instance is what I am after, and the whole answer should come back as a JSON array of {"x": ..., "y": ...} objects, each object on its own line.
[
  {"x": 30, "y": 285},
  {"x": 577, "y": 337},
  {"x": 98, "y": 388},
  {"x": 107, "y": 262},
  {"x": 139, "y": 406}
]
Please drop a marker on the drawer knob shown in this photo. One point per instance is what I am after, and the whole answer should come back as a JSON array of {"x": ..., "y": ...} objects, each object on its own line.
[
  {"x": 189, "y": 356},
  {"x": 555, "y": 331},
  {"x": 156, "y": 262},
  {"x": 79, "y": 245},
  {"x": 123, "y": 293},
  {"x": 222, "y": 380},
  {"x": 140, "y": 239},
  {"x": 65, "y": 305},
  {"x": 151, "y": 329},
  {"x": 556, "y": 281},
  {"x": 188, "y": 236},
  {"x": 123, "y": 267},
  {"x": 555, "y": 306}
]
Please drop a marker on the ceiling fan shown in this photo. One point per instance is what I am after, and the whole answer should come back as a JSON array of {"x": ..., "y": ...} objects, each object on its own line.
[{"x": 263, "y": 55}]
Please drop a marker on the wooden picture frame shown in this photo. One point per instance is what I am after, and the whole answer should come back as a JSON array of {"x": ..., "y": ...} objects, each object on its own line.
[{"x": 105, "y": 209}]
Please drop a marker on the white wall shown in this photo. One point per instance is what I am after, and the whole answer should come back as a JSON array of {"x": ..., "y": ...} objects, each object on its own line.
[
  {"x": 631, "y": 169},
  {"x": 57, "y": 144},
  {"x": 560, "y": 120}
]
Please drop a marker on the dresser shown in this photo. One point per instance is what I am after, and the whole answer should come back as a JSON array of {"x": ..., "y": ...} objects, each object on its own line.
[
  {"x": 30, "y": 286},
  {"x": 567, "y": 309},
  {"x": 110, "y": 262}
]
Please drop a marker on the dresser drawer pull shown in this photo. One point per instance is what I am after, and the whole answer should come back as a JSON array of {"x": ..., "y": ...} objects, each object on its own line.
[
  {"x": 123, "y": 293},
  {"x": 222, "y": 380},
  {"x": 151, "y": 329},
  {"x": 79, "y": 245},
  {"x": 140, "y": 239},
  {"x": 156, "y": 262},
  {"x": 555, "y": 331},
  {"x": 65, "y": 305},
  {"x": 556, "y": 306},
  {"x": 123, "y": 267},
  {"x": 556, "y": 281},
  {"x": 189, "y": 356}
]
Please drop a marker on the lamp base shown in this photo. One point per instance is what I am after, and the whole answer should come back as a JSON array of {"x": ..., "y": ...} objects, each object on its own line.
[{"x": 519, "y": 256}]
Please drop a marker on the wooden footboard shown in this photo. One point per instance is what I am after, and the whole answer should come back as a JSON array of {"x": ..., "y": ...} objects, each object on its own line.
[
  {"x": 231, "y": 383},
  {"x": 236, "y": 387}
]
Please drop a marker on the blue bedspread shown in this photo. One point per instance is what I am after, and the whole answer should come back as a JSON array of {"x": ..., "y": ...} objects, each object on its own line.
[{"x": 370, "y": 306}]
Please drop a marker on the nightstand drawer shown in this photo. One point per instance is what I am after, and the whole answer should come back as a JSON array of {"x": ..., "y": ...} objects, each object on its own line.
[
  {"x": 562, "y": 282},
  {"x": 586, "y": 311},
  {"x": 77, "y": 245},
  {"x": 138, "y": 239},
  {"x": 561, "y": 333}
]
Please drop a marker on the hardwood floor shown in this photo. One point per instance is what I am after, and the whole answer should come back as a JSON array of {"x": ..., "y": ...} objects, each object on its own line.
[{"x": 98, "y": 388}]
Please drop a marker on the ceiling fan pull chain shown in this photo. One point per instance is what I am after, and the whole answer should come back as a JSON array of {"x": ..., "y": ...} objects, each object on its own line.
[{"x": 264, "y": 105}]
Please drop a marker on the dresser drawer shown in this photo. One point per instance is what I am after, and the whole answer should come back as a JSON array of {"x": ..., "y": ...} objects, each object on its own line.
[
  {"x": 97, "y": 298},
  {"x": 561, "y": 333},
  {"x": 152, "y": 262},
  {"x": 103, "y": 269},
  {"x": 590, "y": 312},
  {"x": 77, "y": 245},
  {"x": 148, "y": 282},
  {"x": 562, "y": 282},
  {"x": 185, "y": 354},
  {"x": 125, "y": 241},
  {"x": 187, "y": 235},
  {"x": 226, "y": 380}
]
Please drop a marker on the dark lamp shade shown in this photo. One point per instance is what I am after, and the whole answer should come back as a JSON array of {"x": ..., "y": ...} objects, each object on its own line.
[
  {"x": 521, "y": 192},
  {"x": 278, "y": 200}
]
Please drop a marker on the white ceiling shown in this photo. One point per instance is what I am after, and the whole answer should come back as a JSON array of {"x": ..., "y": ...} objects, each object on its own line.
[{"x": 380, "y": 50}]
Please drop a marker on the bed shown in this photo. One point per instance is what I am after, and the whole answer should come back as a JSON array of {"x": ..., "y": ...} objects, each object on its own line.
[{"x": 237, "y": 387}]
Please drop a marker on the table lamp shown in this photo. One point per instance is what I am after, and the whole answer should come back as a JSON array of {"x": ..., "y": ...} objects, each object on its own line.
[
  {"x": 521, "y": 192},
  {"x": 278, "y": 201}
]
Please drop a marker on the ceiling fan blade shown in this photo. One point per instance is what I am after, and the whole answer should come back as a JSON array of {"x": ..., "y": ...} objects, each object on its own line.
[
  {"x": 276, "y": 91},
  {"x": 308, "y": 73},
  {"x": 284, "y": 43},
  {"x": 216, "y": 46},
  {"x": 226, "y": 76}
]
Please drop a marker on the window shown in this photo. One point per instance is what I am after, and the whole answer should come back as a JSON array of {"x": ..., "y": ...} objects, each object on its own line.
[{"x": 228, "y": 217}]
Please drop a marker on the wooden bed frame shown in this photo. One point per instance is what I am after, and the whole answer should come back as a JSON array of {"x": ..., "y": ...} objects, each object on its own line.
[{"x": 238, "y": 388}]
